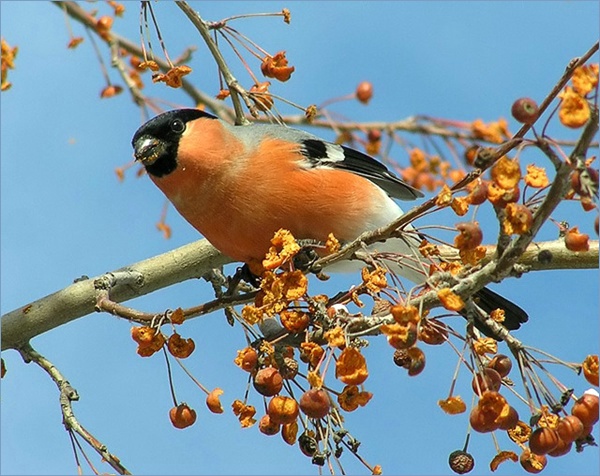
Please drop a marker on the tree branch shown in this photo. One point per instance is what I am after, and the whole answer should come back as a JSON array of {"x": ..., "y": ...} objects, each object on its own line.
[
  {"x": 68, "y": 395},
  {"x": 79, "y": 299},
  {"x": 541, "y": 256}
]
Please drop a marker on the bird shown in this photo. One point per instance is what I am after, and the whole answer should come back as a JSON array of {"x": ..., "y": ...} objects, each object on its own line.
[{"x": 238, "y": 185}]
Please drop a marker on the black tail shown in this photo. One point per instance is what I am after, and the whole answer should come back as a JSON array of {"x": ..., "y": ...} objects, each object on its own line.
[{"x": 488, "y": 300}]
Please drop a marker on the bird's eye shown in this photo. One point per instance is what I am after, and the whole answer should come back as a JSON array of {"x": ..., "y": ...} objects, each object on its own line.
[{"x": 177, "y": 126}]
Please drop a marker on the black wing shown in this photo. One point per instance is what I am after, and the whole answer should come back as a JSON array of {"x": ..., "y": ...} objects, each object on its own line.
[{"x": 321, "y": 153}]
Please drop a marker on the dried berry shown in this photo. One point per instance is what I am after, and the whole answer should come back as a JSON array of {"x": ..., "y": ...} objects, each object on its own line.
[
  {"x": 575, "y": 241},
  {"x": 531, "y": 462},
  {"x": 433, "y": 332},
  {"x": 501, "y": 363},
  {"x": 268, "y": 381},
  {"x": 267, "y": 426},
  {"x": 412, "y": 359},
  {"x": 461, "y": 462},
  {"x": 283, "y": 409},
  {"x": 525, "y": 110},
  {"x": 182, "y": 416},
  {"x": 586, "y": 409},
  {"x": 543, "y": 440},
  {"x": 315, "y": 403},
  {"x": 569, "y": 428},
  {"x": 585, "y": 182},
  {"x": 364, "y": 92},
  {"x": 489, "y": 380},
  {"x": 307, "y": 443}
]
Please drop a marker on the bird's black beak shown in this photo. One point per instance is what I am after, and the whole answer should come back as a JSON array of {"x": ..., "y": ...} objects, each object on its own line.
[{"x": 148, "y": 149}]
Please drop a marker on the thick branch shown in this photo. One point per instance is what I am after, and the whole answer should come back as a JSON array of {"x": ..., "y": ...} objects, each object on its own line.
[
  {"x": 540, "y": 256},
  {"x": 79, "y": 299}
]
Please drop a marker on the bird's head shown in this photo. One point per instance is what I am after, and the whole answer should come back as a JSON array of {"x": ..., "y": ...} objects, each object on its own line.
[{"x": 155, "y": 144}]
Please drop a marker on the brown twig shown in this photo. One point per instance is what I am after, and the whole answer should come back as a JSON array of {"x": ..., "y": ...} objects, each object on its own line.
[
  {"x": 68, "y": 395},
  {"x": 235, "y": 88}
]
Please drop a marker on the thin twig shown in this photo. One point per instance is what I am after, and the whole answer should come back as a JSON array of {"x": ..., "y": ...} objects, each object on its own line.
[
  {"x": 234, "y": 87},
  {"x": 68, "y": 395}
]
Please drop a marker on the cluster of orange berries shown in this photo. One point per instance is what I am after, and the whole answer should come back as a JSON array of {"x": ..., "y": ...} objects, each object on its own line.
[
  {"x": 554, "y": 435},
  {"x": 271, "y": 370},
  {"x": 151, "y": 340}
]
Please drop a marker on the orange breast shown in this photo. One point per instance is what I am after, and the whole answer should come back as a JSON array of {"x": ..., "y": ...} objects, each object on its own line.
[{"x": 240, "y": 200}]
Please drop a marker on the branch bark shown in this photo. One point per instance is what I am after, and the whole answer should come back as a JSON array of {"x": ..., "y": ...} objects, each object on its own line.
[
  {"x": 541, "y": 256},
  {"x": 193, "y": 261},
  {"x": 79, "y": 299}
]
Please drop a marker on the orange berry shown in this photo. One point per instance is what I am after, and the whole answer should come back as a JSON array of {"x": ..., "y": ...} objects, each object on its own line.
[
  {"x": 283, "y": 409},
  {"x": 289, "y": 432},
  {"x": 268, "y": 381},
  {"x": 249, "y": 360},
  {"x": 213, "y": 402},
  {"x": 405, "y": 315},
  {"x": 561, "y": 449},
  {"x": 261, "y": 96},
  {"x": 110, "y": 91},
  {"x": 364, "y": 91},
  {"x": 489, "y": 380},
  {"x": 590, "y": 369},
  {"x": 501, "y": 363},
  {"x": 404, "y": 339},
  {"x": 315, "y": 403},
  {"x": 543, "y": 440},
  {"x": 470, "y": 236},
  {"x": 143, "y": 335},
  {"x": 179, "y": 347},
  {"x": 525, "y": 110},
  {"x": 182, "y": 416},
  {"x": 471, "y": 154},
  {"x": 569, "y": 428},
  {"x": 277, "y": 67},
  {"x": 576, "y": 241},
  {"x": 586, "y": 409},
  {"x": 479, "y": 194},
  {"x": 267, "y": 426},
  {"x": 510, "y": 421},
  {"x": 501, "y": 197},
  {"x": 531, "y": 462},
  {"x": 482, "y": 422},
  {"x": 374, "y": 135},
  {"x": 433, "y": 332}
]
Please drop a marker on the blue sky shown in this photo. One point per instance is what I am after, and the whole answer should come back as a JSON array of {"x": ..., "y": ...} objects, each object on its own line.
[{"x": 64, "y": 215}]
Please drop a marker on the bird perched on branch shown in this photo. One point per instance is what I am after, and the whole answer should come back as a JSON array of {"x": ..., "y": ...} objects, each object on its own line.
[{"x": 238, "y": 185}]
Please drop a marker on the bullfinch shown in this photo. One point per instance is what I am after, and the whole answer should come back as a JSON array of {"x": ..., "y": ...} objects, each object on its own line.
[{"x": 238, "y": 185}]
